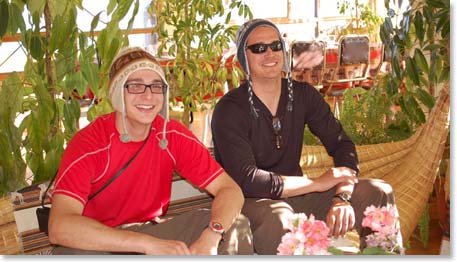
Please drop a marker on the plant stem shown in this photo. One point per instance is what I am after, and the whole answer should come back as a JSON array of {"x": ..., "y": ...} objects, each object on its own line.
[{"x": 48, "y": 58}]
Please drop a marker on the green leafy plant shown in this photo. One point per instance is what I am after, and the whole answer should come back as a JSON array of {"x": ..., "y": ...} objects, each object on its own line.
[
  {"x": 419, "y": 47},
  {"x": 424, "y": 225},
  {"x": 189, "y": 33},
  {"x": 398, "y": 101},
  {"x": 370, "y": 117},
  {"x": 39, "y": 111},
  {"x": 363, "y": 19}
]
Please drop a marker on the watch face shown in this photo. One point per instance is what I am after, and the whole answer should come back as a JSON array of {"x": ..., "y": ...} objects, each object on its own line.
[
  {"x": 217, "y": 227},
  {"x": 345, "y": 196}
]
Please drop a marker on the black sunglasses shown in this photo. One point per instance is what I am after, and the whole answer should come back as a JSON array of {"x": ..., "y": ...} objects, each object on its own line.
[
  {"x": 262, "y": 48},
  {"x": 277, "y": 127}
]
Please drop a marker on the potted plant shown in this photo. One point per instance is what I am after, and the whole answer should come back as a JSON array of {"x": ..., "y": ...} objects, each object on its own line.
[
  {"x": 190, "y": 34},
  {"x": 418, "y": 46},
  {"x": 59, "y": 68}
]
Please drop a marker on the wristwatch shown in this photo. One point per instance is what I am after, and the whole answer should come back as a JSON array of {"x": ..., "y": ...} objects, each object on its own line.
[
  {"x": 344, "y": 197},
  {"x": 217, "y": 228}
]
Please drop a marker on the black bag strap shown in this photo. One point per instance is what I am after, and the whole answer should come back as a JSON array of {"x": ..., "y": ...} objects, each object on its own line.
[
  {"x": 109, "y": 181},
  {"x": 120, "y": 171}
]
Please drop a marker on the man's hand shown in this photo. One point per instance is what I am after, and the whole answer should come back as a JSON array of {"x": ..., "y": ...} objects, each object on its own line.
[
  {"x": 167, "y": 247},
  {"x": 206, "y": 244},
  {"x": 307, "y": 60},
  {"x": 299, "y": 185},
  {"x": 340, "y": 218},
  {"x": 67, "y": 227},
  {"x": 335, "y": 176}
]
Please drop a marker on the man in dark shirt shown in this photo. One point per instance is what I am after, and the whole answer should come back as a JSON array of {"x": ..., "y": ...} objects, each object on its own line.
[{"x": 258, "y": 137}]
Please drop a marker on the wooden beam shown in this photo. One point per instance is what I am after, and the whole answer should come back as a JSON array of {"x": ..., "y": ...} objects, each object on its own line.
[
  {"x": 3, "y": 76},
  {"x": 135, "y": 31}
]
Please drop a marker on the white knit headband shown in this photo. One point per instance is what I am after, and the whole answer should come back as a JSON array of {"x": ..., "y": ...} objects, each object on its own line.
[{"x": 128, "y": 61}]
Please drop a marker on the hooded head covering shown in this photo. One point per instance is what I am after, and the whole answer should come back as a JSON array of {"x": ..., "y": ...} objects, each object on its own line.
[
  {"x": 242, "y": 36},
  {"x": 128, "y": 61}
]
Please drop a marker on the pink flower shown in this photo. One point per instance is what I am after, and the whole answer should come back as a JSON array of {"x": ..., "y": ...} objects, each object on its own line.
[
  {"x": 289, "y": 243},
  {"x": 382, "y": 221},
  {"x": 307, "y": 236},
  {"x": 377, "y": 218}
]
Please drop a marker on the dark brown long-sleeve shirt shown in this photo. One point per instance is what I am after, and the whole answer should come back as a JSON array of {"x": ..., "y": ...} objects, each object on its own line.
[{"x": 246, "y": 147}]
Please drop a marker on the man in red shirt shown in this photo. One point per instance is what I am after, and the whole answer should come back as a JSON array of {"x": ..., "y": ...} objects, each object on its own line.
[{"x": 114, "y": 181}]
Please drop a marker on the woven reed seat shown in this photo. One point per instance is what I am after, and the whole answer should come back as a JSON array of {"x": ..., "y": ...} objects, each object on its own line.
[{"x": 410, "y": 165}]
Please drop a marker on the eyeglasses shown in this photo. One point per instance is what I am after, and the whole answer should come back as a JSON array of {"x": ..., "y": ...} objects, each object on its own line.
[
  {"x": 137, "y": 88},
  {"x": 277, "y": 127},
  {"x": 262, "y": 48}
]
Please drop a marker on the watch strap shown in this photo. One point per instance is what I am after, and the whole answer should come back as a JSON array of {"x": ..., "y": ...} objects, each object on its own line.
[
  {"x": 217, "y": 227},
  {"x": 345, "y": 197}
]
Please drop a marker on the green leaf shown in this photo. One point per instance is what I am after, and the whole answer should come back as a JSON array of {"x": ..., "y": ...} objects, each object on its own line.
[
  {"x": 439, "y": 67},
  {"x": 403, "y": 105},
  {"x": 445, "y": 74},
  {"x": 424, "y": 225},
  {"x": 227, "y": 19},
  {"x": 94, "y": 22},
  {"x": 335, "y": 251},
  {"x": 443, "y": 20},
  {"x": 445, "y": 32},
  {"x": 132, "y": 18},
  {"x": 421, "y": 61},
  {"x": 49, "y": 166},
  {"x": 103, "y": 107},
  {"x": 426, "y": 98},
  {"x": 57, "y": 32},
  {"x": 36, "y": 7},
  {"x": 121, "y": 10},
  {"x": 72, "y": 113},
  {"x": 413, "y": 109},
  {"x": 57, "y": 7},
  {"x": 433, "y": 66},
  {"x": 75, "y": 81},
  {"x": 35, "y": 47},
  {"x": 384, "y": 33},
  {"x": 412, "y": 71},
  {"x": 16, "y": 19},
  {"x": 419, "y": 26},
  {"x": 11, "y": 94},
  {"x": 90, "y": 73},
  {"x": 374, "y": 251},
  {"x": 4, "y": 17},
  {"x": 111, "y": 5},
  {"x": 437, "y": 3},
  {"x": 113, "y": 50},
  {"x": 396, "y": 70}
]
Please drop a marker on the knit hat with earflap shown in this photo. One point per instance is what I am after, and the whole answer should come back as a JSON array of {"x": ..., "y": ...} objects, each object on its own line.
[
  {"x": 242, "y": 36},
  {"x": 128, "y": 61}
]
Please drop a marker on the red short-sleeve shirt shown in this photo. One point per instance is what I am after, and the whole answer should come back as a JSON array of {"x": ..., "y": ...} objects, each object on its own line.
[{"x": 142, "y": 192}]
